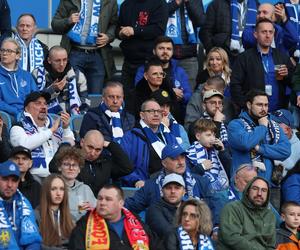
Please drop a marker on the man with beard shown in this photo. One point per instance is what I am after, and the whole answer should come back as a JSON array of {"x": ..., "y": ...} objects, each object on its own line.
[
  {"x": 39, "y": 133},
  {"x": 68, "y": 87},
  {"x": 248, "y": 223},
  {"x": 255, "y": 138}
]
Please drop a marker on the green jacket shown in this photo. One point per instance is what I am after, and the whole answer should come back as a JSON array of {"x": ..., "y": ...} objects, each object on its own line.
[
  {"x": 245, "y": 227},
  {"x": 107, "y": 24}
]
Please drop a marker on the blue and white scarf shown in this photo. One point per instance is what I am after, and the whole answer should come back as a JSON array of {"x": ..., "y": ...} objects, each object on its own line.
[
  {"x": 293, "y": 15},
  {"x": 223, "y": 129},
  {"x": 175, "y": 129},
  {"x": 235, "y": 43},
  {"x": 29, "y": 232},
  {"x": 75, "y": 34},
  {"x": 185, "y": 242},
  {"x": 174, "y": 27},
  {"x": 30, "y": 128},
  {"x": 53, "y": 106},
  {"x": 35, "y": 56},
  {"x": 217, "y": 177},
  {"x": 189, "y": 181},
  {"x": 115, "y": 122},
  {"x": 156, "y": 143}
]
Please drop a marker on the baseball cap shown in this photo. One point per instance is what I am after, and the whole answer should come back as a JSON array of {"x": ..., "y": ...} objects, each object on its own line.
[
  {"x": 161, "y": 96},
  {"x": 9, "y": 168},
  {"x": 210, "y": 93},
  {"x": 172, "y": 151},
  {"x": 33, "y": 96},
  {"x": 173, "y": 178},
  {"x": 283, "y": 116},
  {"x": 20, "y": 150}
]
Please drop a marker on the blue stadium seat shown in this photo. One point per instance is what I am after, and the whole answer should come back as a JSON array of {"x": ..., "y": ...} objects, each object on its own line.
[
  {"x": 95, "y": 100},
  {"x": 75, "y": 125}
]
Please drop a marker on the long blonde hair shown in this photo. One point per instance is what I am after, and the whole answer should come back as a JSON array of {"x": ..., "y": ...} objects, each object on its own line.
[{"x": 225, "y": 62}]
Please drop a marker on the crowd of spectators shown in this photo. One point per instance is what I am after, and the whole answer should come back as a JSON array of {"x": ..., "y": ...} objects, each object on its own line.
[{"x": 176, "y": 154}]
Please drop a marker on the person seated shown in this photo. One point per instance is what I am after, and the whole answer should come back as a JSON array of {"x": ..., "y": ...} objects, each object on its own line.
[
  {"x": 160, "y": 215},
  {"x": 39, "y": 133},
  {"x": 5, "y": 147},
  {"x": 81, "y": 198},
  {"x": 111, "y": 117},
  {"x": 66, "y": 85},
  {"x": 287, "y": 237},
  {"x": 29, "y": 187},
  {"x": 16, "y": 83},
  {"x": 164, "y": 100},
  {"x": 216, "y": 64},
  {"x": 33, "y": 51},
  {"x": 203, "y": 155},
  {"x": 119, "y": 227},
  {"x": 194, "y": 226},
  {"x": 53, "y": 214},
  {"x": 144, "y": 144},
  {"x": 18, "y": 226}
]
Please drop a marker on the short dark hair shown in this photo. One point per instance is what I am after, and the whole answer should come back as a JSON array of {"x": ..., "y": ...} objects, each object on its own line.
[
  {"x": 216, "y": 80},
  {"x": 263, "y": 20},
  {"x": 251, "y": 94},
  {"x": 26, "y": 14},
  {"x": 163, "y": 39},
  {"x": 117, "y": 188},
  {"x": 154, "y": 61}
]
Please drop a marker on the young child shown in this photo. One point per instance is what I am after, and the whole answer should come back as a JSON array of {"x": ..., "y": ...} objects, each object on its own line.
[
  {"x": 203, "y": 154},
  {"x": 288, "y": 234}
]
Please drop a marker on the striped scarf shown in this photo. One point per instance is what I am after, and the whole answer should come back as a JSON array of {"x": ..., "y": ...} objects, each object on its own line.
[
  {"x": 175, "y": 129},
  {"x": 235, "y": 43},
  {"x": 115, "y": 122},
  {"x": 33, "y": 56},
  {"x": 217, "y": 176},
  {"x": 185, "y": 242},
  {"x": 173, "y": 29},
  {"x": 75, "y": 34}
]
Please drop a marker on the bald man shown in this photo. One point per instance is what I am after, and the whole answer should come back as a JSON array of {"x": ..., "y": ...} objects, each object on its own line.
[
  {"x": 103, "y": 160},
  {"x": 285, "y": 36}
]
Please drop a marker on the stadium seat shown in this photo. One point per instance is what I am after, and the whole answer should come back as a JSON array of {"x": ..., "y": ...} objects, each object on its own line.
[
  {"x": 75, "y": 125},
  {"x": 95, "y": 100}
]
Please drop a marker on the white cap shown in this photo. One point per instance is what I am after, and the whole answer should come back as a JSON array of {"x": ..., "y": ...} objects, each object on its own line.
[{"x": 173, "y": 178}]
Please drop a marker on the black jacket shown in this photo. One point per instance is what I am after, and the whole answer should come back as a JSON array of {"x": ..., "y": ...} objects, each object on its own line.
[
  {"x": 148, "y": 19},
  {"x": 95, "y": 118},
  {"x": 77, "y": 239},
  {"x": 160, "y": 217},
  {"x": 5, "y": 147},
  {"x": 248, "y": 73}
]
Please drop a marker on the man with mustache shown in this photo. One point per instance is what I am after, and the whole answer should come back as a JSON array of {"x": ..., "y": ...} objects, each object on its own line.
[{"x": 255, "y": 138}]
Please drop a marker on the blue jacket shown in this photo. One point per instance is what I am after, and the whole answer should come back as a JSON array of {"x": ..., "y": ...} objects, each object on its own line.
[
  {"x": 242, "y": 142},
  {"x": 179, "y": 77},
  {"x": 290, "y": 189},
  {"x": 14, "y": 86},
  {"x": 95, "y": 118},
  {"x": 285, "y": 37},
  {"x": 137, "y": 147}
]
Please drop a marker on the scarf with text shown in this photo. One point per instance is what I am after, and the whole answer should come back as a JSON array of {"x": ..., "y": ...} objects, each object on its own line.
[
  {"x": 75, "y": 33},
  {"x": 29, "y": 232},
  {"x": 73, "y": 96},
  {"x": 38, "y": 155},
  {"x": 175, "y": 129},
  {"x": 33, "y": 56},
  {"x": 217, "y": 176},
  {"x": 173, "y": 29},
  {"x": 155, "y": 141},
  {"x": 185, "y": 242},
  {"x": 97, "y": 233},
  {"x": 115, "y": 122},
  {"x": 188, "y": 180},
  {"x": 236, "y": 14}
]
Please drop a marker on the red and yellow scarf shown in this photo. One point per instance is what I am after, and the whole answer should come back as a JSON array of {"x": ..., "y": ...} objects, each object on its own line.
[{"x": 97, "y": 234}]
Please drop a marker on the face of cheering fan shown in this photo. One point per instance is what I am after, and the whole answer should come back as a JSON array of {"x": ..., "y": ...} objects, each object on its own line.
[
  {"x": 57, "y": 191},
  {"x": 38, "y": 109},
  {"x": 113, "y": 98},
  {"x": 190, "y": 219}
]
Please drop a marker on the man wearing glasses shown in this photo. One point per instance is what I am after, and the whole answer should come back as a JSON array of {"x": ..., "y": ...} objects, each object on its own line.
[
  {"x": 144, "y": 144},
  {"x": 15, "y": 83}
]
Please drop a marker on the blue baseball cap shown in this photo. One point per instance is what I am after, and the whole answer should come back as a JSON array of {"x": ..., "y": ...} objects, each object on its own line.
[
  {"x": 9, "y": 168},
  {"x": 172, "y": 151},
  {"x": 283, "y": 116}
]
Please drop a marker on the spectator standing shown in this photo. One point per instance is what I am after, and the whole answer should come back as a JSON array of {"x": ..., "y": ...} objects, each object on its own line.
[
  {"x": 5, "y": 20},
  {"x": 5, "y": 147}
]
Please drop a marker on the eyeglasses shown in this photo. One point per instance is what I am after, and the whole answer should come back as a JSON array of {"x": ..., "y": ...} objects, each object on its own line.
[
  {"x": 192, "y": 216},
  {"x": 69, "y": 165},
  {"x": 256, "y": 188},
  {"x": 153, "y": 111},
  {"x": 159, "y": 74},
  {"x": 8, "y": 51},
  {"x": 214, "y": 103}
]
